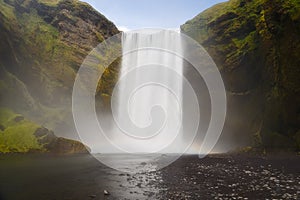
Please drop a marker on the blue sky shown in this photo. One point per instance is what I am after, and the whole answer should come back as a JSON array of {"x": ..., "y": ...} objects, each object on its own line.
[{"x": 136, "y": 14}]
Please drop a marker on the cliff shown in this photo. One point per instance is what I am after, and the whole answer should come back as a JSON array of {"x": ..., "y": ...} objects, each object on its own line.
[
  {"x": 256, "y": 45},
  {"x": 43, "y": 43},
  {"x": 20, "y": 135}
]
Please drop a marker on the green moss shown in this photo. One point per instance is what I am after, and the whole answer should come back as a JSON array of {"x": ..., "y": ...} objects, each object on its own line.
[
  {"x": 49, "y": 2},
  {"x": 293, "y": 8},
  {"x": 256, "y": 44},
  {"x": 109, "y": 78},
  {"x": 220, "y": 9},
  {"x": 100, "y": 37},
  {"x": 39, "y": 35},
  {"x": 7, "y": 10},
  {"x": 44, "y": 41},
  {"x": 7, "y": 16},
  {"x": 249, "y": 43},
  {"x": 18, "y": 135},
  {"x": 41, "y": 61},
  {"x": 19, "y": 138},
  {"x": 53, "y": 58},
  {"x": 6, "y": 116}
]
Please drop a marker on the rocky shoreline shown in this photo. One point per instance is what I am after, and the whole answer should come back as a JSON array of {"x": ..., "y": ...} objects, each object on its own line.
[{"x": 214, "y": 177}]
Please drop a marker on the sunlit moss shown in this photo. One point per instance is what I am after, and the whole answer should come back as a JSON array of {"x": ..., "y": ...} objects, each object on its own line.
[
  {"x": 19, "y": 138},
  {"x": 7, "y": 10},
  {"x": 256, "y": 46},
  {"x": 6, "y": 116},
  {"x": 49, "y": 2},
  {"x": 17, "y": 134}
]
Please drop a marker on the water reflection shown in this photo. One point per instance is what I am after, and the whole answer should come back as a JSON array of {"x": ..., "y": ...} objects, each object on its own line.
[{"x": 73, "y": 177}]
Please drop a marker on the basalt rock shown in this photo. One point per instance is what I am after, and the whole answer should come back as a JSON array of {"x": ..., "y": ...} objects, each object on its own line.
[
  {"x": 43, "y": 43},
  {"x": 25, "y": 136},
  {"x": 256, "y": 45}
]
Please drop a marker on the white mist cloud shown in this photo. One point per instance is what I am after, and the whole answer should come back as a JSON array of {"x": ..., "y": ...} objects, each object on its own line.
[
  {"x": 123, "y": 28},
  {"x": 175, "y": 29}
]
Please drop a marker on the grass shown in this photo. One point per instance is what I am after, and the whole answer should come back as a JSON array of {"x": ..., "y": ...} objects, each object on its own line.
[
  {"x": 263, "y": 33},
  {"x": 7, "y": 10},
  {"x": 50, "y": 63},
  {"x": 293, "y": 6},
  {"x": 51, "y": 3},
  {"x": 8, "y": 15},
  {"x": 6, "y": 116},
  {"x": 17, "y": 136}
]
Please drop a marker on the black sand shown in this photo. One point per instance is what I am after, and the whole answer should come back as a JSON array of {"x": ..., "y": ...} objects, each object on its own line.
[{"x": 214, "y": 177}]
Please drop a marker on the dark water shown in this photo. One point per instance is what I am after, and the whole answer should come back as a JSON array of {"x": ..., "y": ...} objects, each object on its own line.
[
  {"x": 75, "y": 177},
  {"x": 215, "y": 177}
]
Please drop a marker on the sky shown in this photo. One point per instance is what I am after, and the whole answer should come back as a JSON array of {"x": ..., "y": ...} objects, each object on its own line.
[{"x": 137, "y": 14}]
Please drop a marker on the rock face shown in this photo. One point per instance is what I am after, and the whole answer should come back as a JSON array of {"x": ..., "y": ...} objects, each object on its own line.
[
  {"x": 20, "y": 135},
  {"x": 43, "y": 43},
  {"x": 66, "y": 146},
  {"x": 58, "y": 145},
  {"x": 256, "y": 45}
]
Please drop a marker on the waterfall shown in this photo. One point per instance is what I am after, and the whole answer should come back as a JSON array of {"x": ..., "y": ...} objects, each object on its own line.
[
  {"x": 147, "y": 99},
  {"x": 149, "y": 114}
]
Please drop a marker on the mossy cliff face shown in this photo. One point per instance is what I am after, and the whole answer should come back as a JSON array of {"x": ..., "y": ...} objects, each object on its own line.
[
  {"x": 256, "y": 45},
  {"x": 43, "y": 43},
  {"x": 20, "y": 135}
]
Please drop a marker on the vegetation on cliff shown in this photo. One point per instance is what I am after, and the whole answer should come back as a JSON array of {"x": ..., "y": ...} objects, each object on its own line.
[
  {"x": 256, "y": 45},
  {"x": 43, "y": 43},
  {"x": 19, "y": 135}
]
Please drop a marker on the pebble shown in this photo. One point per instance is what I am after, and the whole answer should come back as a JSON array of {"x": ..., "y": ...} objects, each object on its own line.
[
  {"x": 106, "y": 192},
  {"x": 223, "y": 181}
]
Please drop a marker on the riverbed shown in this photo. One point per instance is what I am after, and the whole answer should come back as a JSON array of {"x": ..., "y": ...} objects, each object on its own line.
[{"x": 214, "y": 177}]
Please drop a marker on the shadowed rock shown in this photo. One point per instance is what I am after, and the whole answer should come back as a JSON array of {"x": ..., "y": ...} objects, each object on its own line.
[{"x": 256, "y": 46}]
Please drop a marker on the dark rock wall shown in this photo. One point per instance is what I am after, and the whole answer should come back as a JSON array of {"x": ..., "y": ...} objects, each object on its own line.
[{"x": 256, "y": 45}]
